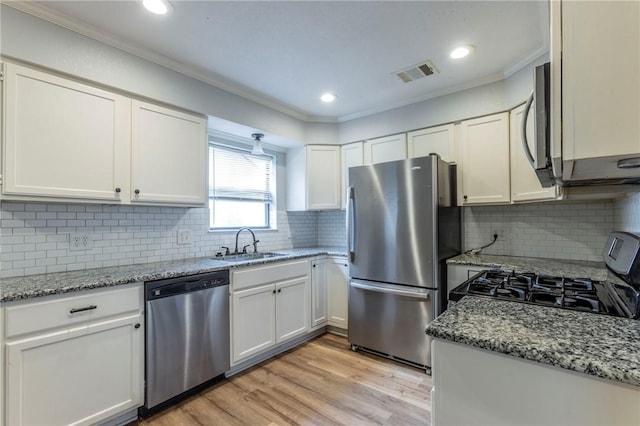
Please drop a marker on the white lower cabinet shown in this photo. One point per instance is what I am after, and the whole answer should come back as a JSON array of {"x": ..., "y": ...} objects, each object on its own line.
[
  {"x": 319, "y": 292},
  {"x": 269, "y": 305},
  {"x": 254, "y": 321},
  {"x": 79, "y": 368},
  {"x": 337, "y": 276},
  {"x": 475, "y": 386},
  {"x": 292, "y": 308}
]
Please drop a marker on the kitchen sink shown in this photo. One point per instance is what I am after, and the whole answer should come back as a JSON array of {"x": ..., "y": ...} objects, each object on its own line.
[{"x": 243, "y": 257}]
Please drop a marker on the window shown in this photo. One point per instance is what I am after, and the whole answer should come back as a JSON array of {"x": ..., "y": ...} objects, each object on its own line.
[{"x": 241, "y": 187}]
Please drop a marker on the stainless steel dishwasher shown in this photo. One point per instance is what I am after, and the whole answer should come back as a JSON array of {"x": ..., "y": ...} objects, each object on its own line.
[{"x": 187, "y": 334}]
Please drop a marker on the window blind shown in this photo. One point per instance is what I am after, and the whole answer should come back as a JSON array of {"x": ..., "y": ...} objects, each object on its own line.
[{"x": 239, "y": 175}]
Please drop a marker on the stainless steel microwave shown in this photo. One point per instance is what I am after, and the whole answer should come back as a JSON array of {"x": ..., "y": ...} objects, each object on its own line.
[{"x": 546, "y": 155}]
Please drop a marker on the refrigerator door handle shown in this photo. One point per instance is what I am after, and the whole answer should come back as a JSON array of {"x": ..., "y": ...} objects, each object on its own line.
[
  {"x": 390, "y": 290},
  {"x": 351, "y": 223}
]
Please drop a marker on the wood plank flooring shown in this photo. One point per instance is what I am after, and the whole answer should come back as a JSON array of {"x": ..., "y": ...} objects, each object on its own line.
[{"x": 321, "y": 382}]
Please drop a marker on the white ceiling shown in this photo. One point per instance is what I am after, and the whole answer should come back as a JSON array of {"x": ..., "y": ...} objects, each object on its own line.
[{"x": 284, "y": 54}]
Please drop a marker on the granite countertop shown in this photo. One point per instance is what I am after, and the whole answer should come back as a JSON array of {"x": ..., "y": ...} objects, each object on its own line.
[
  {"x": 64, "y": 282},
  {"x": 596, "y": 271},
  {"x": 598, "y": 345}
]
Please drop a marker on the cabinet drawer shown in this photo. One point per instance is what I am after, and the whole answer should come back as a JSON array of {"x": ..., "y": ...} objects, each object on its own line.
[
  {"x": 69, "y": 310},
  {"x": 267, "y": 274}
]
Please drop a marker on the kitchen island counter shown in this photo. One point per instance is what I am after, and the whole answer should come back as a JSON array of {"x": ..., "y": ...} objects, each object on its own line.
[
  {"x": 597, "y": 345},
  {"x": 31, "y": 286}
]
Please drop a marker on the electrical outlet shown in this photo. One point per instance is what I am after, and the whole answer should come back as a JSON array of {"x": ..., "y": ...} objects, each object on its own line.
[
  {"x": 80, "y": 241},
  {"x": 184, "y": 236}
]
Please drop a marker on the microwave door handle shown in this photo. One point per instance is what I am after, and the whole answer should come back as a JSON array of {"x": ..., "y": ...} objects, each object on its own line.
[
  {"x": 351, "y": 223},
  {"x": 525, "y": 144}
]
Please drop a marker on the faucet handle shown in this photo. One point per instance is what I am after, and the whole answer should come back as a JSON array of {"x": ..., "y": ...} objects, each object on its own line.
[
  {"x": 226, "y": 251},
  {"x": 244, "y": 249}
]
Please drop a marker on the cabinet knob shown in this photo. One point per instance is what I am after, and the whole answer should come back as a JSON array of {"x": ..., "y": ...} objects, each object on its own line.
[
  {"x": 137, "y": 325},
  {"x": 465, "y": 197},
  {"x": 274, "y": 292},
  {"x": 314, "y": 265},
  {"x": 137, "y": 191},
  {"x": 118, "y": 190},
  {"x": 279, "y": 290},
  {"x": 345, "y": 265}
]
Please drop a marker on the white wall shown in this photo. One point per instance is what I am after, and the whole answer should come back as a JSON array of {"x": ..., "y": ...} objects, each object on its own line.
[
  {"x": 477, "y": 101},
  {"x": 34, "y": 40}
]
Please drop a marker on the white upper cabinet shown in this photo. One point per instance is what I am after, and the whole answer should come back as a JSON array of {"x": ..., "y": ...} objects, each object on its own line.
[
  {"x": 168, "y": 155},
  {"x": 352, "y": 156},
  {"x": 439, "y": 140},
  {"x": 63, "y": 138},
  {"x": 69, "y": 141},
  {"x": 595, "y": 60},
  {"x": 485, "y": 160},
  {"x": 525, "y": 185},
  {"x": 389, "y": 148},
  {"x": 313, "y": 178}
]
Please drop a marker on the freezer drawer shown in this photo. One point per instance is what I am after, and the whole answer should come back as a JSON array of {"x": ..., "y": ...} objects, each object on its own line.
[{"x": 391, "y": 319}]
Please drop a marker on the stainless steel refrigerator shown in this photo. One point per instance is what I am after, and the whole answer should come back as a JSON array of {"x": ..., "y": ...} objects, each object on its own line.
[{"x": 402, "y": 224}]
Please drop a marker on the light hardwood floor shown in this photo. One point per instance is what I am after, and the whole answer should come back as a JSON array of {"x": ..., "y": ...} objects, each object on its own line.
[{"x": 321, "y": 382}]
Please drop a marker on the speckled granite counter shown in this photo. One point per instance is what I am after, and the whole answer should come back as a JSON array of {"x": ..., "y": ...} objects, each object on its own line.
[
  {"x": 47, "y": 284},
  {"x": 558, "y": 267},
  {"x": 599, "y": 345}
]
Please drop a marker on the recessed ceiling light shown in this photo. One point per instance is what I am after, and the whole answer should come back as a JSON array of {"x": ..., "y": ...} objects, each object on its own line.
[
  {"x": 159, "y": 7},
  {"x": 328, "y": 97},
  {"x": 461, "y": 51}
]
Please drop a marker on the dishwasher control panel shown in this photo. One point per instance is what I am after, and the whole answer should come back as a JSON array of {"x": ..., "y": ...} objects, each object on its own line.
[{"x": 172, "y": 286}]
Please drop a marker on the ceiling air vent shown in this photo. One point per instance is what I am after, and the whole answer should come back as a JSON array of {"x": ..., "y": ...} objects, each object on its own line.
[{"x": 416, "y": 72}]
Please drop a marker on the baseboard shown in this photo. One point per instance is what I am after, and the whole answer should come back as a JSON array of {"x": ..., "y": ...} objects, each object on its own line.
[
  {"x": 337, "y": 330},
  {"x": 275, "y": 351}
]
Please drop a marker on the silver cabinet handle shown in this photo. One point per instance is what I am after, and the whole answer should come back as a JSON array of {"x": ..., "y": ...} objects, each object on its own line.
[{"x": 86, "y": 308}]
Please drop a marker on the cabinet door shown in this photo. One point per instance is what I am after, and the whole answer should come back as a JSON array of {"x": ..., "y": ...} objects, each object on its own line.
[
  {"x": 439, "y": 140},
  {"x": 600, "y": 104},
  {"x": 457, "y": 274},
  {"x": 169, "y": 155},
  {"x": 352, "y": 156},
  {"x": 337, "y": 291},
  {"x": 76, "y": 376},
  {"x": 485, "y": 160},
  {"x": 323, "y": 177},
  {"x": 390, "y": 148},
  {"x": 525, "y": 185},
  {"x": 63, "y": 138},
  {"x": 253, "y": 321},
  {"x": 318, "y": 292},
  {"x": 292, "y": 308}
]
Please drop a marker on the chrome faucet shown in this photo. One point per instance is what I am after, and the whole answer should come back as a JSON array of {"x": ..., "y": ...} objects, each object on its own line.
[{"x": 244, "y": 249}]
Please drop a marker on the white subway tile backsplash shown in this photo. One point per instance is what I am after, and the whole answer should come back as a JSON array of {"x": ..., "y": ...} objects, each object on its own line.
[
  {"x": 627, "y": 214},
  {"x": 35, "y": 236}
]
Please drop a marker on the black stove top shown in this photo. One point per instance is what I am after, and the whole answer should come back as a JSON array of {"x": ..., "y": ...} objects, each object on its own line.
[{"x": 579, "y": 294}]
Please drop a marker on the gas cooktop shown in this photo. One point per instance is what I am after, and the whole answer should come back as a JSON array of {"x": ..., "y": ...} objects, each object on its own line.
[{"x": 579, "y": 294}]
